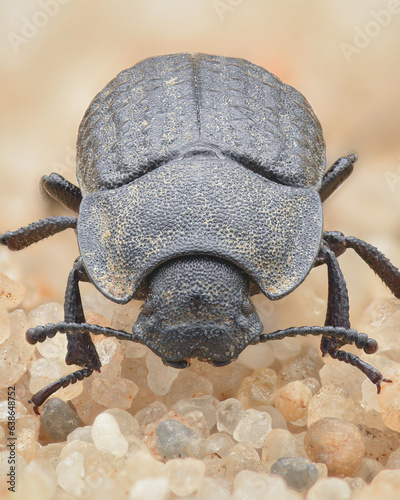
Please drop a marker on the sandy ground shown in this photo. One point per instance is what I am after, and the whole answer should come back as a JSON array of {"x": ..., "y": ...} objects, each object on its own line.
[{"x": 55, "y": 55}]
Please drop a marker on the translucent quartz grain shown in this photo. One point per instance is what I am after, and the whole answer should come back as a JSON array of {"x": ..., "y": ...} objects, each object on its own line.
[
  {"x": 111, "y": 357},
  {"x": 393, "y": 461},
  {"x": 253, "y": 486},
  {"x": 342, "y": 375},
  {"x": 185, "y": 475},
  {"x": 188, "y": 385},
  {"x": 128, "y": 425},
  {"x": 383, "y": 324},
  {"x": 219, "y": 443},
  {"x": 58, "y": 419},
  {"x": 225, "y": 379},
  {"x": 389, "y": 401},
  {"x": 151, "y": 413},
  {"x": 338, "y": 444},
  {"x": 277, "y": 419},
  {"x": 197, "y": 422},
  {"x": 257, "y": 356},
  {"x": 332, "y": 401},
  {"x": 242, "y": 457},
  {"x": 206, "y": 404},
  {"x": 150, "y": 431},
  {"x": 15, "y": 352},
  {"x": 212, "y": 489},
  {"x": 331, "y": 488},
  {"x": 86, "y": 407},
  {"x": 292, "y": 400},
  {"x": 229, "y": 412},
  {"x": 133, "y": 349},
  {"x": 369, "y": 468},
  {"x": 70, "y": 474},
  {"x": 175, "y": 439},
  {"x": 116, "y": 392},
  {"x": 313, "y": 384},
  {"x": 85, "y": 448},
  {"x": 55, "y": 348},
  {"x": 12, "y": 292},
  {"x": 81, "y": 434},
  {"x": 258, "y": 388},
  {"x": 160, "y": 376},
  {"x": 370, "y": 400},
  {"x": 106, "y": 435},
  {"x": 385, "y": 485},
  {"x": 253, "y": 428},
  {"x": 19, "y": 409},
  {"x": 215, "y": 466},
  {"x": 38, "y": 481},
  {"x": 298, "y": 472},
  {"x": 278, "y": 443},
  {"x": 150, "y": 489},
  {"x": 124, "y": 315},
  {"x": 4, "y": 324},
  {"x": 140, "y": 465},
  {"x": 51, "y": 312},
  {"x": 306, "y": 366},
  {"x": 388, "y": 477},
  {"x": 355, "y": 483},
  {"x": 30, "y": 424},
  {"x": 378, "y": 444},
  {"x": 286, "y": 348}
]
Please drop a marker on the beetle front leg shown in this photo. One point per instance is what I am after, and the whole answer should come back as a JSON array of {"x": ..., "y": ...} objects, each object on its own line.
[
  {"x": 338, "y": 316},
  {"x": 80, "y": 350}
]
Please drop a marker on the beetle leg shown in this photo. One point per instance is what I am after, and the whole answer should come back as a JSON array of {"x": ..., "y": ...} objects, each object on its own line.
[
  {"x": 371, "y": 372},
  {"x": 336, "y": 175},
  {"x": 337, "y": 313},
  {"x": 335, "y": 334},
  {"x": 40, "y": 397},
  {"x": 25, "y": 236},
  {"x": 381, "y": 265},
  {"x": 61, "y": 190},
  {"x": 81, "y": 350}
]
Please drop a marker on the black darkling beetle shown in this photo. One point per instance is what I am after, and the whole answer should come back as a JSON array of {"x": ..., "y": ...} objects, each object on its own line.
[{"x": 201, "y": 182}]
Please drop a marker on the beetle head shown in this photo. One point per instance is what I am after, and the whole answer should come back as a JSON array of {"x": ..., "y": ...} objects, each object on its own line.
[{"x": 198, "y": 307}]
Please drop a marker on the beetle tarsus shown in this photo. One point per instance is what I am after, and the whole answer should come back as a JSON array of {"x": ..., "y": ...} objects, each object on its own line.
[
  {"x": 374, "y": 375},
  {"x": 40, "y": 397}
]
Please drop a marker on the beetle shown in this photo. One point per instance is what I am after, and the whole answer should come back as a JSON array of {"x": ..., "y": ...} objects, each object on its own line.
[{"x": 201, "y": 182}]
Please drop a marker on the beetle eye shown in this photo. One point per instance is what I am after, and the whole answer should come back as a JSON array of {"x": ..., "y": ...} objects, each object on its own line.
[
  {"x": 248, "y": 307},
  {"x": 147, "y": 308}
]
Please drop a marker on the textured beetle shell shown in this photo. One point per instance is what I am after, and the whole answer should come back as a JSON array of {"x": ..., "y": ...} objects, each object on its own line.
[
  {"x": 166, "y": 106},
  {"x": 200, "y": 206},
  {"x": 195, "y": 154}
]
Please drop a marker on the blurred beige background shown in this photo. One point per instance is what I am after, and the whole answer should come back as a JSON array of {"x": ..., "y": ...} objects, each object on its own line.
[{"x": 55, "y": 55}]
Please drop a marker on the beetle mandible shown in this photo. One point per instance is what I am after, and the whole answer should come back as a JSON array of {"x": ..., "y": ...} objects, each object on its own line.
[{"x": 201, "y": 182}]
